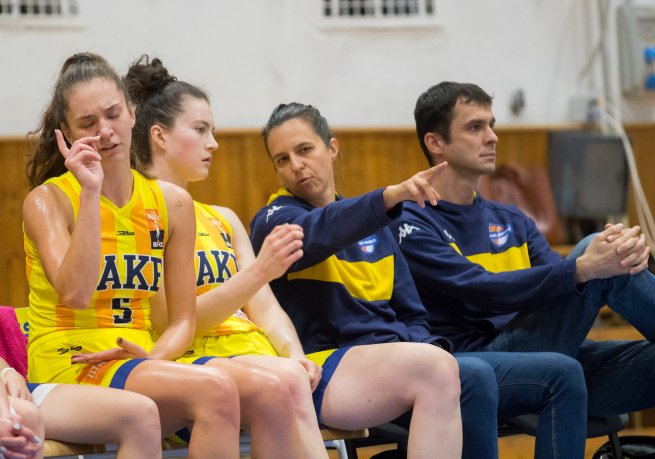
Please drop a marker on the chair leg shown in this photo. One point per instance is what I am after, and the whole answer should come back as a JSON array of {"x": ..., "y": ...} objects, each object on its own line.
[
  {"x": 351, "y": 450},
  {"x": 617, "y": 451},
  {"x": 340, "y": 446}
]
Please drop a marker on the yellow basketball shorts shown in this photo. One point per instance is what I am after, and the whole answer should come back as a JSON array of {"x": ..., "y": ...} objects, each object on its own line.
[
  {"x": 49, "y": 359},
  {"x": 249, "y": 343}
]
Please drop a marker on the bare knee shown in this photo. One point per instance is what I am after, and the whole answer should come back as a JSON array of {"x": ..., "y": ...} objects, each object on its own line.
[
  {"x": 213, "y": 393},
  {"x": 268, "y": 392},
  {"x": 140, "y": 419},
  {"x": 439, "y": 373},
  {"x": 295, "y": 376}
]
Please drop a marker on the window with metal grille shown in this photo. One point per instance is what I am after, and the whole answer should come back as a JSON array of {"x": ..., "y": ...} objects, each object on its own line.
[
  {"x": 379, "y": 12},
  {"x": 38, "y": 11}
]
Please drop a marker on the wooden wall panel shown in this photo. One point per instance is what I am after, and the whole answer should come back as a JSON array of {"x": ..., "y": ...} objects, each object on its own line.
[
  {"x": 13, "y": 189},
  {"x": 242, "y": 176}
]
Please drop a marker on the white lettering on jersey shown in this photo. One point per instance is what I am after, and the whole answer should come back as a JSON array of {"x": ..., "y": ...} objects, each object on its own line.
[
  {"x": 405, "y": 230},
  {"x": 271, "y": 211},
  {"x": 448, "y": 235}
]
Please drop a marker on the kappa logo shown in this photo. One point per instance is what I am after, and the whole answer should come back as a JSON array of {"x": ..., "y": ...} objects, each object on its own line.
[
  {"x": 368, "y": 244},
  {"x": 499, "y": 234},
  {"x": 271, "y": 210},
  {"x": 406, "y": 230}
]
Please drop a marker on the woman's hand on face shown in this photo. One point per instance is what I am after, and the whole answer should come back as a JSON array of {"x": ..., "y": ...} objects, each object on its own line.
[
  {"x": 127, "y": 350},
  {"x": 419, "y": 188},
  {"x": 83, "y": 160},
  {"x": 281, "y": 248}
]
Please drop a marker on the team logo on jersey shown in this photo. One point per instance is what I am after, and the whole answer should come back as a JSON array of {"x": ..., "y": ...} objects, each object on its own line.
[
  {"x": 271, "y": 210},
  {"x": 155, "y": 228},
  {"x": 405, "y": 230},
  {"x": 223, "y": 232},
  {"x": 448, "y": 235},
  {"x": 227, "y": 239},
  {"x": 499, "y": 234},
  {"x": 368, "y": 245}
]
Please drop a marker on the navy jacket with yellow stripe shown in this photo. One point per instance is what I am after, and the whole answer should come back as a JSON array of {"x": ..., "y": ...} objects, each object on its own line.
[
  {"x": 476, "y": 266},
  {"x": 352, "y": 286}
]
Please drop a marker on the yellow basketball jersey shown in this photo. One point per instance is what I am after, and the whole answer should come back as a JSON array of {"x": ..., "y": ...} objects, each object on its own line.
[
  {"x": 216, "y": 263},
  {"x": 131, "y": 270}
]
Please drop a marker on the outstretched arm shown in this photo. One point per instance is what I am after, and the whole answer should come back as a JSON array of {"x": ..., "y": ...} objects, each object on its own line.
[
  {"x": 419, "y": 188},
  {"x": 343, "y": 222}
]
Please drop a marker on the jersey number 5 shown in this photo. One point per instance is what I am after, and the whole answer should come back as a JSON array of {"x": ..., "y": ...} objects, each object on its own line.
[{"x": 122, "y": 305}]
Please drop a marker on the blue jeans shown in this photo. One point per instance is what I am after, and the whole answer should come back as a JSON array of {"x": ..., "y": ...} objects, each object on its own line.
[
  {"x": 617, "y": 373},
  {"x": 498, "y": 385}
]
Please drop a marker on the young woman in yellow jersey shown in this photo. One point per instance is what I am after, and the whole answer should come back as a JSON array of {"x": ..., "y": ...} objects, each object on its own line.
[
  {"x": 99, "y": 239},
  {"x": 173, "y": 141}
]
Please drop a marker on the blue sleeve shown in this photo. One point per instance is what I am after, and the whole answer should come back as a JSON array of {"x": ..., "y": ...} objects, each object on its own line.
[
  {"x": 538, "y": 247},
  {"x": 438, "y": 269},
  {"x": 326, "y": 229},
  {"x": 408, "y": 307}
]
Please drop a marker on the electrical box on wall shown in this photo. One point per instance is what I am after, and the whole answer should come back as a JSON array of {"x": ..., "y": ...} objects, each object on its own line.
[{"x": 636, "y": 43}]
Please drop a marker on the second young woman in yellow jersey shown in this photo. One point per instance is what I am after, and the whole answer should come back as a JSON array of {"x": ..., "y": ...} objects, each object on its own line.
[{"x": 173, "y": 141}]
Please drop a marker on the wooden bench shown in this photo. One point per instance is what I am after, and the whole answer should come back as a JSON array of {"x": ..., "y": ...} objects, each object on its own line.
[{"x": 334, "y": 438}]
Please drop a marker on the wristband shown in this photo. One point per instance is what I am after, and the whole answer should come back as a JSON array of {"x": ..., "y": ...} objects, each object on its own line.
[{"x": 5, "y": 370}]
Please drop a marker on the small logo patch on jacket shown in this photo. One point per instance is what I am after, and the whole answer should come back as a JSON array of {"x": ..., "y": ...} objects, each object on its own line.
[
  {"x": 368, "y": 245},
  {"x": 499, "y": 234}
]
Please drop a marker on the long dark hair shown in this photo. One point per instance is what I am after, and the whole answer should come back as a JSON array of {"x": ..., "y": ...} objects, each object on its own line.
[
  {"x": 46, "y": 161},
  {"x": 158, "y": 98}
]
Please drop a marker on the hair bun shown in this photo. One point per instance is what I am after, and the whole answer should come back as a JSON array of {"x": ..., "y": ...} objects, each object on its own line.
[{"x": 145, "y": 78}]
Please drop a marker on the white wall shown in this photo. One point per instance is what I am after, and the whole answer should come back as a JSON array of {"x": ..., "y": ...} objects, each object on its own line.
[{"x": 253, "y": 54}]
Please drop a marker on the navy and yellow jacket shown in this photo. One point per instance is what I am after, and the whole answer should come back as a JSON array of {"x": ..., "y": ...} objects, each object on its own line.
[
  {"x": 352, "y": 286},
  {"x": 476, "y": 266}
]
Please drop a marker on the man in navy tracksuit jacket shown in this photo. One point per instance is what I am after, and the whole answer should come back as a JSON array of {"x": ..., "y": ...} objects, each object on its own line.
[{"x": 491, "y": 282}]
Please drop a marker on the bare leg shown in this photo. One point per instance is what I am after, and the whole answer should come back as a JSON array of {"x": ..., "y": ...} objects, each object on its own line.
[
  {"x": 30, "y": 417},
  {"x": 186, "y": 394},
  {"x": 89, "y": 414},
  {"x": 296, "y": 378},
  {"x": 267, "y": 409},
  {"x": 377, "y": 383}
]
